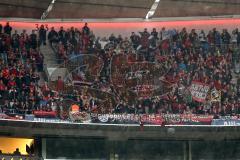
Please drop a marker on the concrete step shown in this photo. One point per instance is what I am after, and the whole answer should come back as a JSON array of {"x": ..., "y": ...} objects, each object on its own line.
[
  {"x": 50, "y": 62},
  {"x": 49, "y": 56}
]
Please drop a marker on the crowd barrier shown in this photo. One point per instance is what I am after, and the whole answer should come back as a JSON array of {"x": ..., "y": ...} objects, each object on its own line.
[
  {"x": 134, "y": 119},
  {"x": 226, "y": 122}
]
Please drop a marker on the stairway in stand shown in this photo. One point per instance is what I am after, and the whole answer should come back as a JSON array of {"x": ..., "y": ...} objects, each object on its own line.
[
  {"x": 51, "y": 68},
  {"x": 50, "y": 59},
  {"x": 50, "y": 62}
]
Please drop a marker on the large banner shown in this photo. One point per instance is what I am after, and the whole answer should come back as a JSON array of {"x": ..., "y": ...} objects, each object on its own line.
[
  {"x": 187, "y": 119},
  {"x": 117, "y": 118},
  {"x": 135, "y": 79},
  {"x": 226, "y": 122},
  {"x": 154, "y": 119},
  {"x": 199, "y": 91}
]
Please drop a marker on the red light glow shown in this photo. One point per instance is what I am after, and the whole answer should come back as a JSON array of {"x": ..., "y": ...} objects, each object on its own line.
[{"x": 125, "y": 28}]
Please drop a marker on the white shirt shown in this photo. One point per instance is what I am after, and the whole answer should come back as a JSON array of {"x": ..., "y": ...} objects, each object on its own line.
[
  {"x": 164, "y": 34},
  {"x": 202, "y": 37}
]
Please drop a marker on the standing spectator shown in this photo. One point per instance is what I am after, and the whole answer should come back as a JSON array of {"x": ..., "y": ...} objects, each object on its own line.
[
  {"x": 183, "y": 35},
  {"x": 153, "y": 41},
  {"x": 33, "y": 40},
  {"x": 62, "y": 36},
  {"x": 226, "y": 38},
  {"x": 42, "y": 35},
  {"x": 202, "y": 37},
  {"x": 24, "y": 36},
  {"x": 7, "y": 29},
  {"x": 17, "y": 152},
  {"x": 234, "y": 37},
  {"x": 3, "y": 50},
  {"x": 218, "y": 40},
  {"x": 52, "y": 36},
  {"x": 85, "y": 29},
  {"x": 112, "y": 38},
  {"x": 163, "y": 34},
  {"x": 135, "y": 39},
  {"x": 154, "y": 33},
  {"x": 119, "y": 39},
  {"x": 210, "y": 38},
  {"x": 193, "y": 37},
  {"x": 144, "y": 38},
  {"x": 15, "y": 40}
]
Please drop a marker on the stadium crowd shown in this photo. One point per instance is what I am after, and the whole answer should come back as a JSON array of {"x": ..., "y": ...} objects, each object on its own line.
[
  {"x": 20, "y": 64},
  {"x": 208, "y": 58}
]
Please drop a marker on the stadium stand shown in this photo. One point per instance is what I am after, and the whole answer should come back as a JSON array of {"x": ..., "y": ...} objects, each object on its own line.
[
  {"x": 192, "y": 60},
  {"x": 197, "y": 68}
]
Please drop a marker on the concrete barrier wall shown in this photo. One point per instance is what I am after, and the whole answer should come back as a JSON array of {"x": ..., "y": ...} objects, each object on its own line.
[
  {"x": 117, "y": 132},
  {"x": 131, "y": 142}
]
